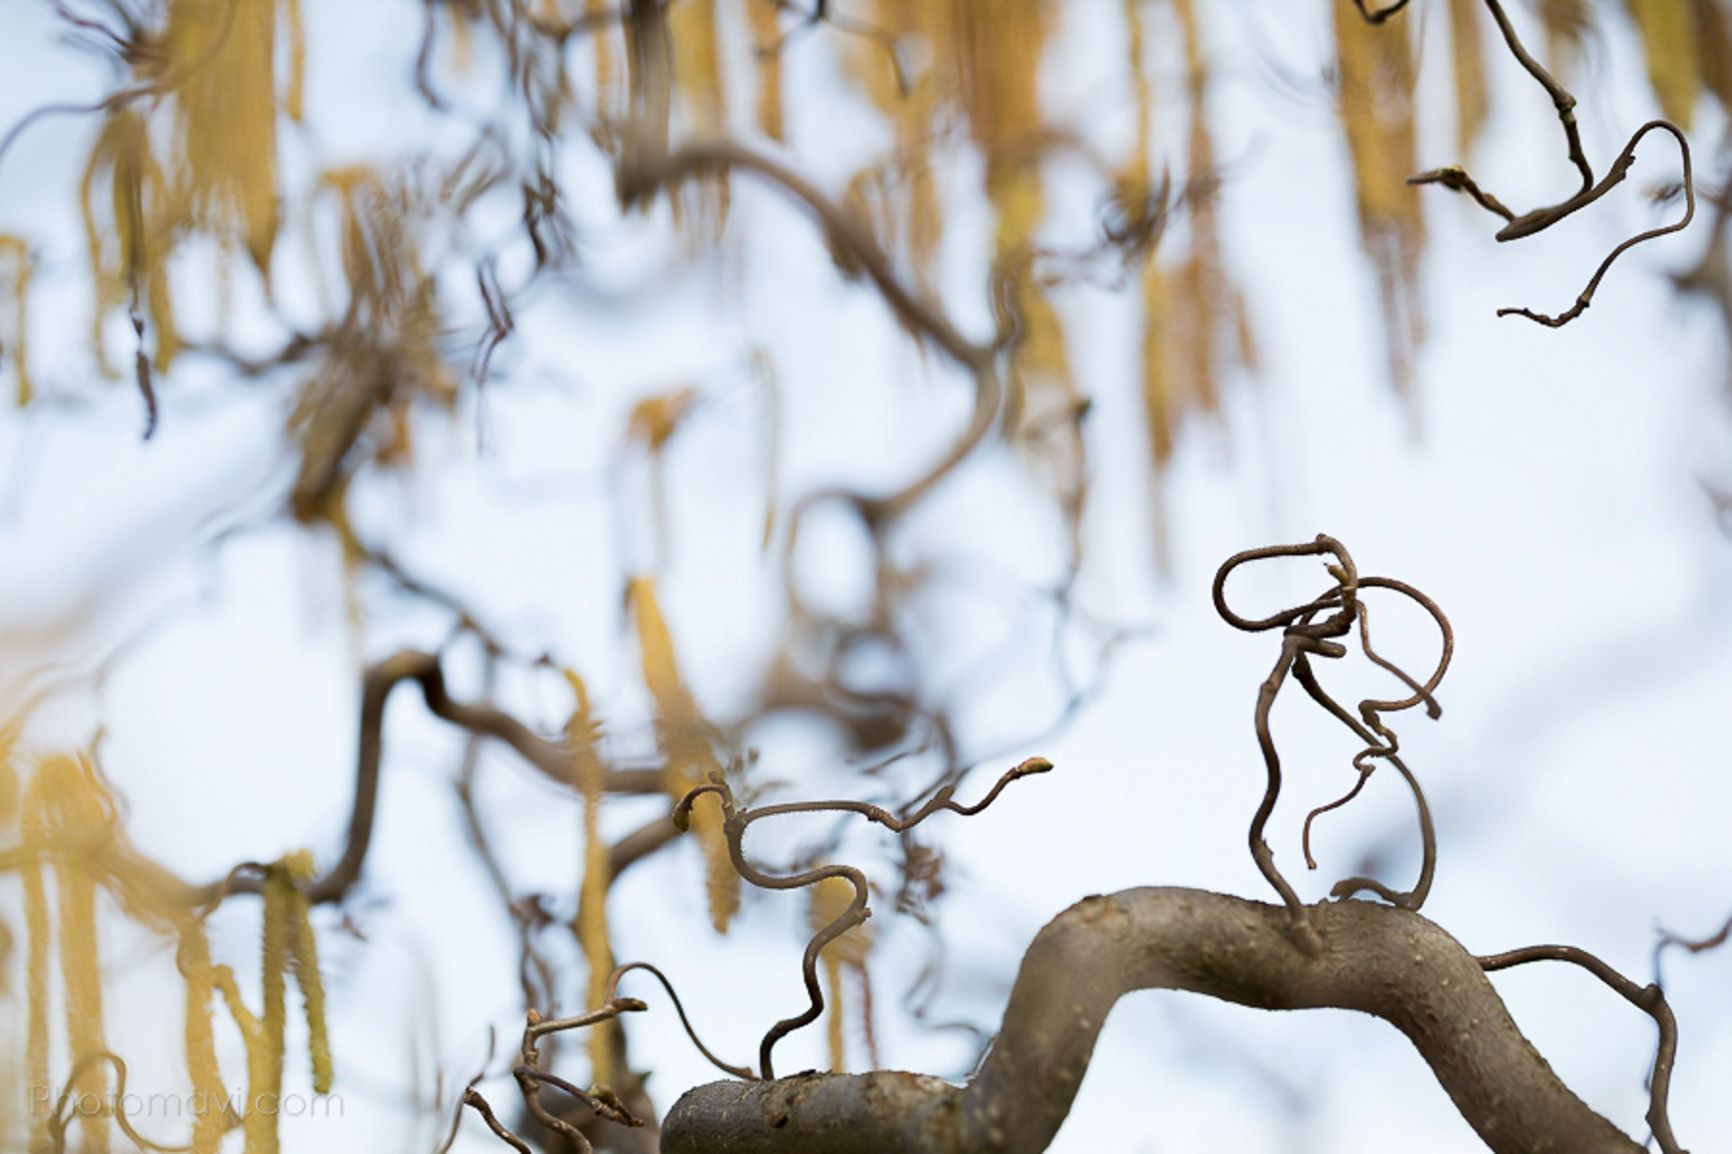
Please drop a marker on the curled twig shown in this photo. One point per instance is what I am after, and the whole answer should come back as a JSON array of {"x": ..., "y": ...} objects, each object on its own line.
[
  {"x": 1310, "y": 630},
  {"x": 1620, "y": 167},
  {"x": 1517, "y": 226},
  {"x": 531, "y": 1077},
  {"x": 735, "y": 823}
]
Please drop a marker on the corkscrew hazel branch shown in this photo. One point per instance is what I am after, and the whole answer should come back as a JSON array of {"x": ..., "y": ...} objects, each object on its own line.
[
  {"x": 1519, "y": 225},
  {"x": 1310, "y": 630},
  {"x": 530, "y": 1077},
  {"x": 737, "y": 821}
]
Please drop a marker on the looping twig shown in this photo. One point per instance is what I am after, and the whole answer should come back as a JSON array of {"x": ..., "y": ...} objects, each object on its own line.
[
  {"x": 735, "y": 824},
  {"x": 1309, "y": 630}
]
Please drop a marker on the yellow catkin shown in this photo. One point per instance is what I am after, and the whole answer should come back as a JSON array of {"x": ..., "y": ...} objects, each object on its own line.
[
  {"x": 266, "y": 1040},
  {"x": 826, "y": 901},
  {"x": 1376, "y": 76},
  {"x": 998, "y": 53},
  {"x": 911, "y": 111},
  {"x": 914, "y": 133},
  {"x": 765, "y": 31},
  {"x": 8, "y": 778},
  {"x": 1668, "y": 30},
  {"x": 298, "y": 868},
  {"x": 461, "y": 54},
  {"x": 226, "y": 118},
  {"x": 294, "y": 95},
  {"x": 703, "y": 105},
  {"x": 258, "y": 1128},
  {"x": 1714, "y": 46},
  {"x": 1157, "y": 400},
  {"x": 590, "y": 923},
  {"x": 37, "y": 930},
  {"x": 14, "y": 250},
  {"x": 66, "y": 802},
  {"x": 653, "y": 422},
  {"x": 835, "y": 1036},
  {"x": 1566, "y": 23},
  {"x": 1467, "y": 52},
  {"x": 1156, "y": 384},
  {"x": 8, "y": 814},
  {"x": 608, "y": 98},
  {"x": 1202, "y": 279},
  {"x": 1195, "y": 331},
  {"x": 11, "y": 1104},
  {"x": 208, "y": 1094},
  {"x": 131, "y": 273},
  {"x": 685, "y": 742}
]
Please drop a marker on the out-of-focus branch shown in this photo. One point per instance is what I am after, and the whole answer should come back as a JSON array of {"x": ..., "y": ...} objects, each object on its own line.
[
  {"x": 1377, "y": 959},
  {"x": 642, "y": 174},
  {"x": 639, "y": 844},
  {"x": 551, "y": 758}
]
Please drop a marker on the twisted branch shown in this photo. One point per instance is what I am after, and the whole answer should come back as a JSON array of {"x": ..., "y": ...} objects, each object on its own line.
[
  {"x": 737, "y": 821},
  {"x": 1517, "y": 226},
  {"x": 1305, "y": 636}
]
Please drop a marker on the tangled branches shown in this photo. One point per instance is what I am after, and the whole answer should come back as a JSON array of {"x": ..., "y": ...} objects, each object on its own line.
[
  {"x": 737, "y": 821},
  {"x": 1304, "y": 636},
  {"x": 1381, "y": 959}
]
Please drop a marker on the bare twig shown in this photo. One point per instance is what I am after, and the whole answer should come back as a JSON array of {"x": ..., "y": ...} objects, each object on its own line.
[
  {"x": 737, "y": 821},
  {"x": 1517, "y": 226},
  {"x": 1649, "y": 999},
  {"x": 1304, "y": 636}
]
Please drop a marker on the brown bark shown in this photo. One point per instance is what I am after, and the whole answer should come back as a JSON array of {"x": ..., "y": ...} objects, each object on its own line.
[{"x": 1375, "y": 958}]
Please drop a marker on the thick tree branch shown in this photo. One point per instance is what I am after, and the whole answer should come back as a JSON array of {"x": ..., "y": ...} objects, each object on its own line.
[{"x": 1376, "y": 959}]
